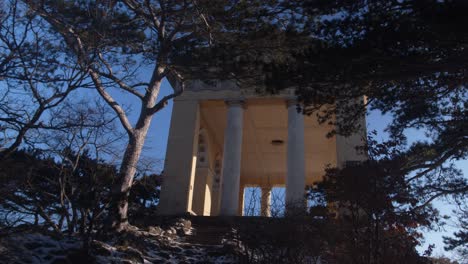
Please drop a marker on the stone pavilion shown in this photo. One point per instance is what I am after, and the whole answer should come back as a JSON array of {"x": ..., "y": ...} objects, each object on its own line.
[{"x": 223, "y": 139}]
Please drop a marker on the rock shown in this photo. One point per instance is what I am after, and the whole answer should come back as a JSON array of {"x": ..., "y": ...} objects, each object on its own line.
[
  {"x": 155, "y": 244},
  {"x": 164, "y": 255},
  {"x": 180, "y": 232},
  {"x": 183, "y": 226},
  {"x": 170, "y": 232},
  {"x": 155, "y": 230},
  {"x": 177, "y": 249},
  {"x": 100, "y": 249},
  {"x": 189, "y": 252},
  {"x": 133, "y": 255}
]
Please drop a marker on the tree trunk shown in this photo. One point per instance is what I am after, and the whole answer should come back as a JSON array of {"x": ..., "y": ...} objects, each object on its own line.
[
  {"x": 124, "y": 183},
  {"x": 129, "y": 164},
  {"x": 137, "y": 136}
]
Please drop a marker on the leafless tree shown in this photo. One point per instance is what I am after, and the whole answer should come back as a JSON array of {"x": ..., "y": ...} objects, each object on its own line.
[
  {"x": 278, "y": 203},
  {"x": 133, "y": 35},
  {"x": 36, "y": 76},
  {"x": 252, "y": 202},
  {"x": 252, "y": 206},
  {"x": 63, "y": 183}
]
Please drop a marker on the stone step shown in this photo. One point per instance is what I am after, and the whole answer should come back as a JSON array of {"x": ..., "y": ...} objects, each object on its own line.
[
  {"x": 208, "y": 230},
  {"x": 207, "y": 235}
]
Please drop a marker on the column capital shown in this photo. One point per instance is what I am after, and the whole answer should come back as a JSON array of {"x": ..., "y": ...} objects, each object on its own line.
[
  {"x": 235, "y": 102},
  {"x": 291, "y": 102}
]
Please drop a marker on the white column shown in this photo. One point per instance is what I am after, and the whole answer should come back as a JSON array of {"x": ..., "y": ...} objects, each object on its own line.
[
  {"x": 232, "y": 159},
  {"x": 295, "y": 178},
  {"x": 266, "y": 202},
  {"x": 181, "y": 159},
  {"x": 346, "y": 145}
]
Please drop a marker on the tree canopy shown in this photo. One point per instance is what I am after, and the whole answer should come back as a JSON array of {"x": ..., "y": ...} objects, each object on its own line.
[{"x": 407, "y": 58}]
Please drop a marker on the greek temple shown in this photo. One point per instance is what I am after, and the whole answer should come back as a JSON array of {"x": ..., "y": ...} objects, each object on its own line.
[{"x": 223, "y": 139}]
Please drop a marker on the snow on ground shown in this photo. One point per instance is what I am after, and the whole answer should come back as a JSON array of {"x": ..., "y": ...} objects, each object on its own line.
[
  {"x": 36, "y": 248},
  {"x": 153, "y": 245}
]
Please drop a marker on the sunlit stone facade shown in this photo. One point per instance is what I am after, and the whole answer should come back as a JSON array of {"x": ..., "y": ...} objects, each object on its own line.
[{"x": 223, "y": 139}]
